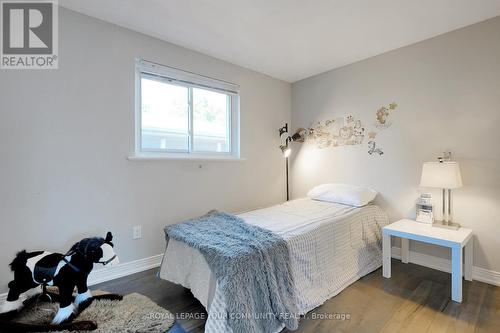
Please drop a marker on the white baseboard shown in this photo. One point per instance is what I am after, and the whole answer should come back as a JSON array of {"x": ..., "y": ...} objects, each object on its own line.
[
  {"x": 106, "y": 274},
  {"x": 441, "y": 264},
  {"x": 127, "y": 268},
  {"x": 486, "y": 275}
]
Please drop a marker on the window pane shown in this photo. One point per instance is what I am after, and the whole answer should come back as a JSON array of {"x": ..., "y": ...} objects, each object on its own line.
[
  {"x": 164, "y": 116},
  {"x": 211, "y": 121}
]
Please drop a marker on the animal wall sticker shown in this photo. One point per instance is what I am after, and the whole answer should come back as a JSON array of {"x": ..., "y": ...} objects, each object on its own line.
[
  {"x": 337, "y": 132},
  {"x": 383, "y": 116},
  {"x": 350, "y": 131},
  {"x": 382, "y": 122},
  {"x": 372, "y": 145}
]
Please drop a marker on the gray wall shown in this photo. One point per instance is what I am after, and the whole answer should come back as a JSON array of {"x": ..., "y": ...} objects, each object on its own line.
[
  {"x": 448, "y": 91},
  {"x": 65, "y": 135}
]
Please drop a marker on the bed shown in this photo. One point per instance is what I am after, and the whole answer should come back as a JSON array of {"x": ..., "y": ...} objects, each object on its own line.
[{"x": 331, "y": 246}]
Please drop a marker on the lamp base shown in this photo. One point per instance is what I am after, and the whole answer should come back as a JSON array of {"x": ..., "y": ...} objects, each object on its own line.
[{"x": 446, "y": 225}]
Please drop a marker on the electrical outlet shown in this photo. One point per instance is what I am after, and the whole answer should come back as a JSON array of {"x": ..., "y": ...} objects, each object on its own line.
[{"x": 137, "y": 232}]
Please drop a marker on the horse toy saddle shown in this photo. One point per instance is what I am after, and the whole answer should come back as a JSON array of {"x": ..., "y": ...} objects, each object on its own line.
[{"x": 45, "y": 268}]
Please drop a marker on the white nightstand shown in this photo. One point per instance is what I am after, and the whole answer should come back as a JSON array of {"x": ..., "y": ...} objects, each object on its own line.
[{"x": 454, "y": 239}]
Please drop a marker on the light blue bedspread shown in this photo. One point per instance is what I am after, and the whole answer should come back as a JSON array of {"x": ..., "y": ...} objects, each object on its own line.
[{"x": 252, "y": 268}]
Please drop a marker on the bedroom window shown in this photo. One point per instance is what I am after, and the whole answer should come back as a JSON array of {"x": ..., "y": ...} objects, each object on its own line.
[{"x": 184, "y": 115}]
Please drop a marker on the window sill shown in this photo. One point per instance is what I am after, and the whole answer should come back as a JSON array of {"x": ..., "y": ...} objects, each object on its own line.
[{"x": 197, "y": 158}]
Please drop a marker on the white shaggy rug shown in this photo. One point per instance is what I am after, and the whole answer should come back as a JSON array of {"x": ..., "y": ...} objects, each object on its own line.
[{"x": 134, "y": 314}]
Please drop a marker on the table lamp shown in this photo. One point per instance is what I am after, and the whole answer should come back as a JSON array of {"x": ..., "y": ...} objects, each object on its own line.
[{"x": 444, "y": 175}]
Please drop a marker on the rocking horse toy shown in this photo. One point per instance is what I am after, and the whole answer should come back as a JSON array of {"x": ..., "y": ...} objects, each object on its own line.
[{"x": 65, "y": 271}]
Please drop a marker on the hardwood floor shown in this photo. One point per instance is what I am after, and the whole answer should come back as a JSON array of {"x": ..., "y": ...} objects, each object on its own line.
[{"x": 415, "y": 299}]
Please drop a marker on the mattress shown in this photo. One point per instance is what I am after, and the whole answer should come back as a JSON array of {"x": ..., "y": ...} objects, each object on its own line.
[{"x": 331, "y": 246}]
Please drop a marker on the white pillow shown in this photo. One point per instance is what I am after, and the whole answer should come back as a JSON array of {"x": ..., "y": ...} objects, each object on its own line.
[{"x": 343, "y": 194}]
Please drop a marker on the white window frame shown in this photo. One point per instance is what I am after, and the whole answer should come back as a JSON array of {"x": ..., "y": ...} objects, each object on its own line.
[{"x": 186, "y": 79}]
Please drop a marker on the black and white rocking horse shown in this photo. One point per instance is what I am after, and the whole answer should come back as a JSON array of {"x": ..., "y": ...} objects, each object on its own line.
[{"x": 35, "y": 269}]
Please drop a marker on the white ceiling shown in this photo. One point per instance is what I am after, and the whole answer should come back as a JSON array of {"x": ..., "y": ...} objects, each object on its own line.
[{"x": 290, "y": 39}]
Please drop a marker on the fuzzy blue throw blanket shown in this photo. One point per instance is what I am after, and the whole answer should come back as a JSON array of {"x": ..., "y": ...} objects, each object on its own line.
[{"x": 252, "y": 268}]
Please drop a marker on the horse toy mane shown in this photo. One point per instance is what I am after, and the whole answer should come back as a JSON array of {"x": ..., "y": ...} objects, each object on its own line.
[{"x": 66, "y": 271}]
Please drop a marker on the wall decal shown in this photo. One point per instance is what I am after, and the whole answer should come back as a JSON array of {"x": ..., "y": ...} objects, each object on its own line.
[
  {"x": 372, "y": 145},
  {"x": 337, "y": 132},
  {"x": 372, "y": 148},
  {"x": 383, "y": 116},
  {"x": 349, "y": 131}
]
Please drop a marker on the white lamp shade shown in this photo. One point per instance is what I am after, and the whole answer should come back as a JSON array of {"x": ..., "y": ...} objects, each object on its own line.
[{"x": 441, "y": 175}]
